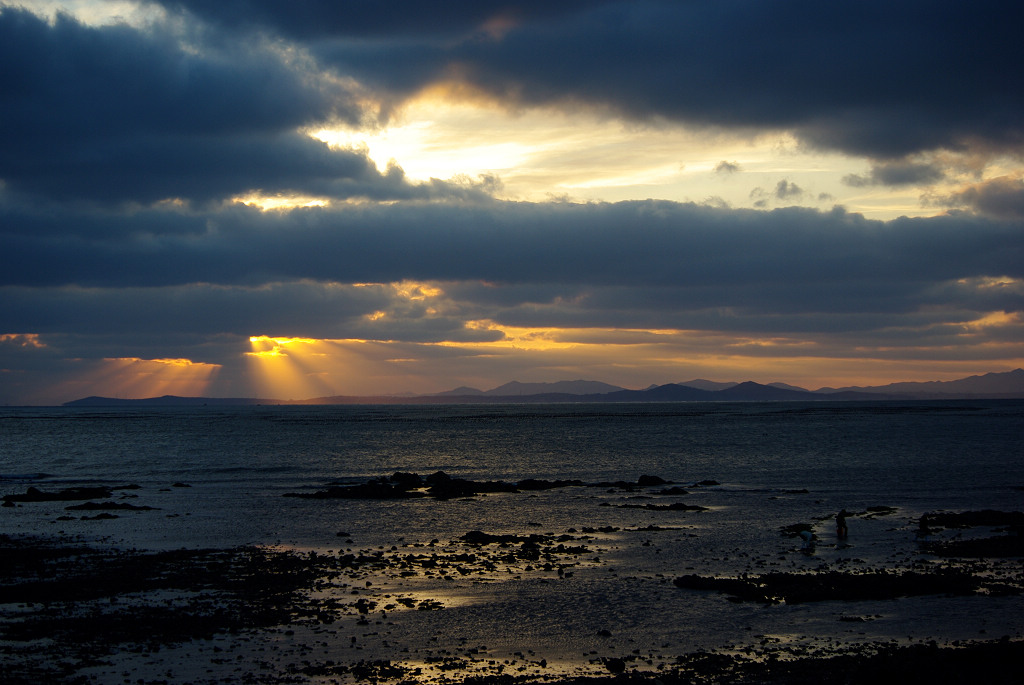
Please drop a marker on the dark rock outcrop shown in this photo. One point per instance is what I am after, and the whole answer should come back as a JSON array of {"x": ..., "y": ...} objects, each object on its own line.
[{"x": 68, "y": 494}]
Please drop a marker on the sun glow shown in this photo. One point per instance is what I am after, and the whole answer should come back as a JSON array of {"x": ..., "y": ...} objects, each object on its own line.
[
  {"x": 295, "y": 368},
  {"x": 584, "y": 154},
  {"x": 135, "y": 378},
  {"x": 269, "y": 203}
]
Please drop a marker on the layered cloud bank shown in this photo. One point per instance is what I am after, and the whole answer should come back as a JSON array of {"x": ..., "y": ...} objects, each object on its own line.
[{"x": 191, "y": 201}]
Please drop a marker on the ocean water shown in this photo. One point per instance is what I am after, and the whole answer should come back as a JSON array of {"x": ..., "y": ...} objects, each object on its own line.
[
  {"x": 216, "y": 477},
  {"x": 239, "y": 460}
]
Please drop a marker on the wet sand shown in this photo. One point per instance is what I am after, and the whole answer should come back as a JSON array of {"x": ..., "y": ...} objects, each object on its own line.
[{"x": 460, "y": 609}]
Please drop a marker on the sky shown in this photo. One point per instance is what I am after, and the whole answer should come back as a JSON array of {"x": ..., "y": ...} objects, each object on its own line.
[{"x": 251, "y": 198}]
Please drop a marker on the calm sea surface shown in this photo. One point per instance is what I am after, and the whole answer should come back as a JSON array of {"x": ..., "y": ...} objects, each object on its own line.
[{"x": 239, "y": 461}]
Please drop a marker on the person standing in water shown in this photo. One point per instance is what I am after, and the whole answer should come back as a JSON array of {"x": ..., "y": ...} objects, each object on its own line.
[{"x": 841, "y": 525}]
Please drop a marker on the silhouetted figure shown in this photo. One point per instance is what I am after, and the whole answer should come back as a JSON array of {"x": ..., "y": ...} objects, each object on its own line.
[
  {"x": 841, "y": 530},
  {"x": 923, "y": 530}
]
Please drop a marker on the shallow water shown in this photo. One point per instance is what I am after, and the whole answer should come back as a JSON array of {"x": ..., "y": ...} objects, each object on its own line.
[
  {"x": 776, "y": 464},
  {"x": 238, "y": 461}
]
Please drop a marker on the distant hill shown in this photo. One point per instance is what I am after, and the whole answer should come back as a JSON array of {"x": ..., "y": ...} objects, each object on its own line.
[
  {"x": 1009, "y": 384},
  {"x": 170, "y": 401},
  {"x": 755, "y": 391},
  {"x": 461, "y": 390},
  {"x": 517, "y": 389},
  {"x": 707, "y": 385},
  {"x": 716, "y": 385},
  {"x": 1006, "y": 384},
  {"x": 787, "y": 386}
]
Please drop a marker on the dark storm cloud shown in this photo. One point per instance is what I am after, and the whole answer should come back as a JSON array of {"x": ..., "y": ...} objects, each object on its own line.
[
  {"x": 789, "y": 258},
  {"x": 855, "y": 307},
  {"x": 116, "y": 113},
  {"x": 873, "y": 77},
  {"x": 160, "y": 320},
  {"x": 1001, "y": 197},
  {"x": 198, "y": 308},
  {"x": 358, "y": 18},
  {"x": 897, "y": 173}
]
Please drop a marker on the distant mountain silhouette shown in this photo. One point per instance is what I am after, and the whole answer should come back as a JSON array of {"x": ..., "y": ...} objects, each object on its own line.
[
  {"x": 787, "y": 386},
  {"x": 707, "y": 385},
  {"x": 670, "y": 392},
  {"x": 755, "y": 391},
  {"x": 170, "y": 401},
  {"x": 1009, "y": 384},
  {"x": 517, "y": 389},
  {"x": 462, "y": 390}
]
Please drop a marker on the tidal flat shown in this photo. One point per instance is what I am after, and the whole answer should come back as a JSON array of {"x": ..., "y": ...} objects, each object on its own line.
[{"x": 640, "y": 590}]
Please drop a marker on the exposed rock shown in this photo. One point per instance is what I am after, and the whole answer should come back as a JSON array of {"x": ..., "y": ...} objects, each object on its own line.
[
  {"x": 68, "y": 494},
  {"x": 478, "y": 537},
  {"x": 795, "y": 529},
  {"x": 970, "y": 519},
  {"x": 615, "y": 666},
  {"x": 997, "y": 546},
  {"x": 794, "y": 588},
  {"x": 535, "y": 484},
  {"x": 675, "y": 506},
  {"x": 440, "y": 485},
  {"x": 107, "y": 506}
]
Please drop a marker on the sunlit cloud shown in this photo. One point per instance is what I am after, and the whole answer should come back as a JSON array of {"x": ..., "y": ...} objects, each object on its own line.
[
  {"x": 93, "y": 12},
  {"x": 280, "y": 202},
  {"x": 22, "y": 339},
  {"x": 994, "y": 320},
  {"x": 585, "y": 155}
]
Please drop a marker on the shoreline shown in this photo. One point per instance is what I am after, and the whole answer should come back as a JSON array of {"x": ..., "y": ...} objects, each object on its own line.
[{"x": 73, "y": 611}]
